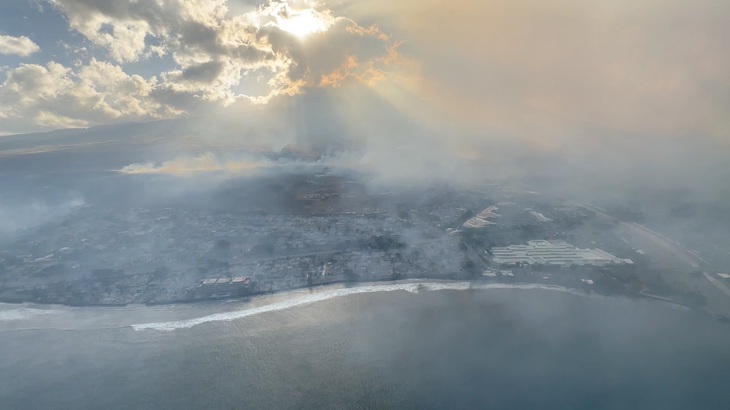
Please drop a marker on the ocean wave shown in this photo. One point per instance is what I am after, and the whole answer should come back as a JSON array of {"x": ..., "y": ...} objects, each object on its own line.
[{"x": 414, "y": 287}]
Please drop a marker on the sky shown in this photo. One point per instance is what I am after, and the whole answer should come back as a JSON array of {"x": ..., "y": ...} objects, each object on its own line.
[{"x": 559, "y": 76}]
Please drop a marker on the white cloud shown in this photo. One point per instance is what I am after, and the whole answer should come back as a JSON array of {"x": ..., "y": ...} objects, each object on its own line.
[
  {"x": 220, "y": 57},
  {"x": 55, "y": 96},
  {"x": 296, "y": 42},
  {"x": 22, "y": 46}
]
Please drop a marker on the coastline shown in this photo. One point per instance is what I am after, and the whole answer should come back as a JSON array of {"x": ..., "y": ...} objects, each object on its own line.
[
  {"x": 188, "y": 315},
  {"x": 332, "y": 291},
  {"x": 414, "y": 286},
  {"x": 462, "y": 285},
  {"x": 475, "y": 284}
]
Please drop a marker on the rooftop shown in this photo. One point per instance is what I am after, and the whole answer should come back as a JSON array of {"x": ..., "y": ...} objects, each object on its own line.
[{"x": 552, "y": 252}]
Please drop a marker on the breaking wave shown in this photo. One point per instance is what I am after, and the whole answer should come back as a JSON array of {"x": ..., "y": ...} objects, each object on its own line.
[{"x": 415, "y": 287}]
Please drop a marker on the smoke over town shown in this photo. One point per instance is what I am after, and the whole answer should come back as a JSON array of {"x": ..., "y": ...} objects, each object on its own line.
[{"x": 283, "y": 170}]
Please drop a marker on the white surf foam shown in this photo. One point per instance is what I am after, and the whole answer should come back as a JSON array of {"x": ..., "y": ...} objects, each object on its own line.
[{"x": 414, "y": 287}]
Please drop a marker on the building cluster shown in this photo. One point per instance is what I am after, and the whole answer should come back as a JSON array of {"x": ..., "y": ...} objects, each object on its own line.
[
  {"x": 483, "y": 219},
  {"x": 154, "y": 254},
  {"x": 553, "y": 252},
  {"x": 224, "y": 287}
]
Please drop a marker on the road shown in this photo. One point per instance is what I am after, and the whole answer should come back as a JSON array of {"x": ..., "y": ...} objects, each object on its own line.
[
  {"x": 716, "y": 292},
  {"x": 718, "y": 284}
]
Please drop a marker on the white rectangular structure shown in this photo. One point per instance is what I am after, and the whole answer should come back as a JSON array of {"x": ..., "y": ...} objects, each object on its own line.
[{"x": 552, "y": 253}]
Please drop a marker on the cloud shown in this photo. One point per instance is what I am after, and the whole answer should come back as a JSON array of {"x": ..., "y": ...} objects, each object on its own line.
[
  {"x": 345, "y": 50},
  {"x": 557, "y": 76},
  {"x": 189, "y": 166},
  {"x": 222, "y": 52},
  {"x": 22, "y": 46},
  {"x": 205, "y": 72},
  {"x": 56, "y": 96},
  {"x": 206, "y": 39}
]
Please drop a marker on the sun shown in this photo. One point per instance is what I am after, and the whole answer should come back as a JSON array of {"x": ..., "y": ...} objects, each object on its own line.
[{"x": 302, "y": 23}]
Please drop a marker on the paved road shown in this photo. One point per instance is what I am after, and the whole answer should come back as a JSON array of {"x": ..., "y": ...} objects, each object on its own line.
[
  {"x": 716, "y": 292},
  {"x": 718, "y": 284}
]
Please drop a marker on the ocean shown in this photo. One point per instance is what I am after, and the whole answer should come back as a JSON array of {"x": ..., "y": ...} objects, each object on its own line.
[{"x": 403, "y": 345}]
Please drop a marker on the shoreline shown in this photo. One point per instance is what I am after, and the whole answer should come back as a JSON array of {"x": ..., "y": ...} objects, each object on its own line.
[
  {"x": 221, "y": 309},
  {"x": 474, "y": 284},
  {"x": 332, "y": 291},
  {"x": 413, "y": 286},
  {"x": 281, "y": 300}
]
